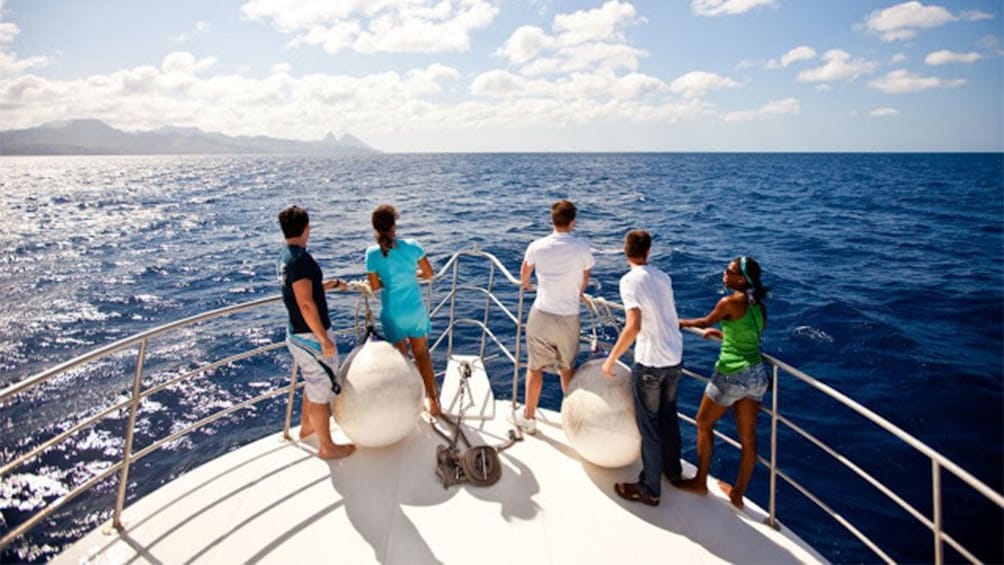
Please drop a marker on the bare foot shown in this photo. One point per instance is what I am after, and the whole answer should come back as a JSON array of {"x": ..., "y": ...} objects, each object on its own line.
[
  {"x": 735, "y": 496},
  {"x": 692, "y": 485},
  {"x": 337, "y": 451}
]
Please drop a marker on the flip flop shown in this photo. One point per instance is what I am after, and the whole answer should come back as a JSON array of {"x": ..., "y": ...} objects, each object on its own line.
[{"x": 630, "y": 491}]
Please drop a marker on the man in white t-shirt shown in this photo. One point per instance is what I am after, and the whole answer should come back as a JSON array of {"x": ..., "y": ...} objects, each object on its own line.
[
  {"x": 562, "y": 263},
  {"x": 647, "y": 294}
]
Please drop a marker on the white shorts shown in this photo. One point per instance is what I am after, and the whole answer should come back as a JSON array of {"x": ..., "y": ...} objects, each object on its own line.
[{"x": 319, "y": 386}]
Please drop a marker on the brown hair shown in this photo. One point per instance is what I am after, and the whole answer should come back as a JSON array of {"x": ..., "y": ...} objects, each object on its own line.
[
  {"x": 751, "y": 275},
  {"x": 637, "y": 243},
  {"x": 293, "y": 221},
  {"x": 562, "y": 213},
  {"x": 384, "y": 219}
]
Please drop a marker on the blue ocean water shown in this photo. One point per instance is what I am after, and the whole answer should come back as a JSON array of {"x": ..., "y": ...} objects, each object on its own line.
[{"x": 887, "y": 275}]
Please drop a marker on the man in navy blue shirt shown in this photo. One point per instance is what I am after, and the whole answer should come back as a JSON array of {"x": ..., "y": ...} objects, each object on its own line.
[{"x": 307, "y": 336}]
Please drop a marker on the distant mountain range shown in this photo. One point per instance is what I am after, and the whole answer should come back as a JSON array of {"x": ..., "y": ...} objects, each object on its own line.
[{"x": 94, "y": 137}]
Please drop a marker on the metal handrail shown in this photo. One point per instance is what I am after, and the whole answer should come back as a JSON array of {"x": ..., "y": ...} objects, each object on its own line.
[
  {"x": 599, "y": 306},
  {"x": 128, "y": 457},
  {"x": 938, "y": 461}
]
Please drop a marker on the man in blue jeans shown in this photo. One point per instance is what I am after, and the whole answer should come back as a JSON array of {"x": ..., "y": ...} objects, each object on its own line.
[{"x": 647, "y": 294}]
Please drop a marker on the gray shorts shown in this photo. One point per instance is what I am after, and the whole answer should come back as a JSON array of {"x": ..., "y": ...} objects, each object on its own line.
[
  {"x": 306, "y": 351},
  {"x": 726, "y": 390},
  {"x": 552, "y": 341}
]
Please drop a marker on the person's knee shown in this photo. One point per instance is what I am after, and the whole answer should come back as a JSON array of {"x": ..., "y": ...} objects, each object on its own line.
[{"x": 705, "y": 422}]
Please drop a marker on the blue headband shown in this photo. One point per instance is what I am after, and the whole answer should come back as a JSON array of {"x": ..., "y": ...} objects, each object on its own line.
[{"x": 742, "y": 267}]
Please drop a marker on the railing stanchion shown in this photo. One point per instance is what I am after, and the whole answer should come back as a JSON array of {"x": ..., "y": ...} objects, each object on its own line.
[
  {"x": 939, "y": 548},
  {"x": 519, "y": 336},
  {"x": 772, "y": 517},
  {"x": 130, "y": 427},
  {"x": 453, "y": 309},
  {"x": 289, "y": 403},
  {"x": 488, "y": 303}
]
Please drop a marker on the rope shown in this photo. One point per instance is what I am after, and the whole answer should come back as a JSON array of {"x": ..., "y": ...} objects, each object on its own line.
[
  {"x": 365, "y": 293},
  {"x": 477, "y": 465}
]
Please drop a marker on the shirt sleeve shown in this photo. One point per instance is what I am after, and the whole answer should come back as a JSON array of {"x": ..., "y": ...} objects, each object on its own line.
[
  {"x": 588, "y": 260},
  {"x": 528, "y": 257},
  {"x": 419, "y": 252},
  {"x": 298, "y": 268},
  {"x": 629, "y": 293},
  {"x": 371, "y": 259}
]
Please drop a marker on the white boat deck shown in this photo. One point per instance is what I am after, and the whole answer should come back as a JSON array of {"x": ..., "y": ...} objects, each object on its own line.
[{"x": 275, "y": 501}]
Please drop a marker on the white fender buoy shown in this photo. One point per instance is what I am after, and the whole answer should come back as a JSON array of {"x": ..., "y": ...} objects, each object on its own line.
[
  {"x": 381, "y": 395},
  {"x": 598, "y": 415}
]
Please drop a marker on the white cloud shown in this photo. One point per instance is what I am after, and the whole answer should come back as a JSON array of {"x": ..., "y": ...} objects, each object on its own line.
[
  {"x": 578, "y": 86},
  {"x": 585, "y": 40},
  {"x": 839, "y": 66},
  {"x": 901, "y": 81},
  {"x": 696, "y": 83},
  {"x": 376, "y": 26},
  {"x": 944, "y": 56},
  {"x": 726, "y": 7},
  {"x": 524, "y": 44},
  {"x": 599, "y": 25},
  {"x": 604, "y": 57},
  {"x": 823, "y": 87},
  {"x": 905, "y": 20},
  {"x": 897, "y": 58},
  {"x": 10, "y": 65},
  {"x": 975, "y": 15},
  {"x": 387, "y": 104},
  {"x": 7, "y": 32},
  {"x": 800, "y": 53},
  {"x": 884, "y": 112},
  {"x": 787, "y": 106},
  {"x": 181, "y": 62},
  {"x": 200, "y": 27}
]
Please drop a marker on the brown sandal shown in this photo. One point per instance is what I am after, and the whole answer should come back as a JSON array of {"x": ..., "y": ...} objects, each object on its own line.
[{"x": 630, "y": 491}]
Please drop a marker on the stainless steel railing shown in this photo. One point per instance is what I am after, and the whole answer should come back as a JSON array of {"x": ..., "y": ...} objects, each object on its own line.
[
  {"x": 606, "y": 312},
  {"x": 938, "y": 461},
  {"x": 140, "y": 342}
]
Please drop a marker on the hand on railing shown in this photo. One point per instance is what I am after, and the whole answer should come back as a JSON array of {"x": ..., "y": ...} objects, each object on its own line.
[
  {"x": 362, "y": 286},
  {"x": 712, "y": 334},
  {"x": 336, "y": 284}
]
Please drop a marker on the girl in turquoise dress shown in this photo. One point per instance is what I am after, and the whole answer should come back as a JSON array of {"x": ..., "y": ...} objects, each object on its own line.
[
  {"x": 740, "y": 379},
  {"x": 395, "y": 265}
]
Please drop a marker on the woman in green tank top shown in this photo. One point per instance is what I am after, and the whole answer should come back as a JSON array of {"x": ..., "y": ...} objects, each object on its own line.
[{"x": 740, "y": 379}]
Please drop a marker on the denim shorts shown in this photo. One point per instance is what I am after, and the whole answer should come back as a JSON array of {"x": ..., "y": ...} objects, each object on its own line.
[{"x": 726, "y": 390}]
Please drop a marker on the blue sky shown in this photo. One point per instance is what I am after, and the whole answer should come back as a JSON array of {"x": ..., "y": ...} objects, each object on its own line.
[{"x": 520, "y": 75}]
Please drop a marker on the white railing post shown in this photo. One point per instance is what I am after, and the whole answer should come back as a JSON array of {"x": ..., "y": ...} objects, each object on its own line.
[
  {"x": 130, "y": 428},
  {"x": 772, "y": 517},
  {"x": 519, "y": 337},
  {"x": 289, "y": 403},
  {"x": 488, "y": 303},
  {"x": 453, "y": 309},
  {"x": 939, "y": 548}
]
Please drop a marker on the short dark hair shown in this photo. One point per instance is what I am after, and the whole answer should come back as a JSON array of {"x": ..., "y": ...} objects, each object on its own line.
[
  {"x": 562, "y": 213},
  {"x": 637, "y": 243},
  {"x": 293, "y": 221}
]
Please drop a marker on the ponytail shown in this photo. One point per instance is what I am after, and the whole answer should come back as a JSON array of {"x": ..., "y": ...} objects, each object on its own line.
[
  {"x": 384, "y": 220},
  {"x": 755, "y": 291}
]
